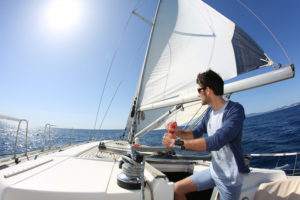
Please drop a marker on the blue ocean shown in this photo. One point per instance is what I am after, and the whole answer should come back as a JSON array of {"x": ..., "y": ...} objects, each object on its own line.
[{"x": 272, "y": 132}]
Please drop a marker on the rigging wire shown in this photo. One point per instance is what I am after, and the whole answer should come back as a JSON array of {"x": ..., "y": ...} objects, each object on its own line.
[
  {"x": 269, "y": 30},
  {"x": 120, "y": 83},
  {"x": 111, "y": 63},
  {"x": 193, "y": 116},
  {"x": 138, "y": 4},
  {"x": 110, "y": 66}
]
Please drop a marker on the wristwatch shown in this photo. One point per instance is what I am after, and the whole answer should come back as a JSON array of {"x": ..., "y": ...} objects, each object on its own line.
[{"x": 179, "y": 144}]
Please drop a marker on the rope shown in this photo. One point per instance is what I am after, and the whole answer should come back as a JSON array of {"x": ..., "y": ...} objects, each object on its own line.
[
  {"x": 269, "y": 30},
  {"x": 133, "y": 169}
]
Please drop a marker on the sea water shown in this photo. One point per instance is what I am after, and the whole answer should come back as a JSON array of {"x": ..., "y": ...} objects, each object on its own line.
[{"x": 273, "y": 132}]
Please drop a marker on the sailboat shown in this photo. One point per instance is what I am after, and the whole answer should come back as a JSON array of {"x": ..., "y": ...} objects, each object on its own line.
[{"x": 187, "y": 37}]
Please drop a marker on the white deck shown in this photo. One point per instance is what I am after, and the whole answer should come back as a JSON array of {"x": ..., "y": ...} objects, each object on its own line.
[
  {"x": 64, "y": 176},
  {"x": 67, "y": 176}
]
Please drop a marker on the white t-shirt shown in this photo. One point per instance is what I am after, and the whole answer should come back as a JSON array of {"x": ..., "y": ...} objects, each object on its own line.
[{"x": 223, "y": 166}]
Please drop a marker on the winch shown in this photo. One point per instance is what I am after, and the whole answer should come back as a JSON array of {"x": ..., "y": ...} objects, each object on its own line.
[{"x": 132, "y": 175}]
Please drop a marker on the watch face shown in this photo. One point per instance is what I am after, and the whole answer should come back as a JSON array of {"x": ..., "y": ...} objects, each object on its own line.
[{"x": 179, "y": 142}]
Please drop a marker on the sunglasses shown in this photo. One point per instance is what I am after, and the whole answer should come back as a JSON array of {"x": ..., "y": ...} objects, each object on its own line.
[{"x": 199, "y": 89}]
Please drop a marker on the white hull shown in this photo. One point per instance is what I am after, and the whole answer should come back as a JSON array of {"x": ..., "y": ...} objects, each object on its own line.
[{"x": 83, "y": 172}]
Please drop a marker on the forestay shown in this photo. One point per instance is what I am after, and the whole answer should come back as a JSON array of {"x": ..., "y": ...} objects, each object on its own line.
[{"x": 190, "y": 37}]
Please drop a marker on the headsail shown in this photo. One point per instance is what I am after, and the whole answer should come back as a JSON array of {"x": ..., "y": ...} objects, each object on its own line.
[{"x": 190, "y": 37}]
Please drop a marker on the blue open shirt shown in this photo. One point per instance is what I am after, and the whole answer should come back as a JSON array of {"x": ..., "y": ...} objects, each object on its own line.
[{"x": 230, "y": 133}]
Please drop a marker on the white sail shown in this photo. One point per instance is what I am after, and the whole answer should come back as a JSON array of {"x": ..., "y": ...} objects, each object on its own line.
[{"x": 190, "y": 37}]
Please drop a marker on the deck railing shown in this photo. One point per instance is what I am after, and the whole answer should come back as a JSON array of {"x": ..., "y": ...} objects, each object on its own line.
[
  {"x": 295, "y": 171},
  {"x": 17, "y": 134},
  {"x": 47, "y": 130},
  {"x": 45, "y": 135}
]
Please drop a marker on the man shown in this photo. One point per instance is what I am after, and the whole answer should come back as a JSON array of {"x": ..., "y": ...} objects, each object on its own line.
[{"x": 223, "y": 122}]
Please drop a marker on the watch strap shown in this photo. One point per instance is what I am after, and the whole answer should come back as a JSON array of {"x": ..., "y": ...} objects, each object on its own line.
[{"x": 179, "y": 143}]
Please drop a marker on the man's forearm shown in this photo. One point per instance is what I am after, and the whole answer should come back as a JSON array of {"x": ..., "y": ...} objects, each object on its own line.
[
  {"x": 185, "y": 134},
  {"x": 195, "y": 145}
]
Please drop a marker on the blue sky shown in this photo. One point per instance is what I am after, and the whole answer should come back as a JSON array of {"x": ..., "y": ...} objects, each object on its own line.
[{"x": 53, "y": 66}]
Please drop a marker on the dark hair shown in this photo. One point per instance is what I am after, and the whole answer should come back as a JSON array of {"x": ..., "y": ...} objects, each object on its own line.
[{"x": 212, "y": 80}]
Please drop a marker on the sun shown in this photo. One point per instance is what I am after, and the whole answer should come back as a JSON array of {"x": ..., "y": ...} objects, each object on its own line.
[{"x": 63, "y": 15}]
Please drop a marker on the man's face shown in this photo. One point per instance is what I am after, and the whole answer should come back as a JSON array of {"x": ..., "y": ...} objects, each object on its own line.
[{"x": 202, "y": 94}]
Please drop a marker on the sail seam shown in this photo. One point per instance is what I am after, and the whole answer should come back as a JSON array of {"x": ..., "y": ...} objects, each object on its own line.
[
  {"x": 210, "y": 24},
  {"x": 166, "y": 83}
]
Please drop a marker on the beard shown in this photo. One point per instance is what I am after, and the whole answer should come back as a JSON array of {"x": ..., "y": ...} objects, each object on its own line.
[{"x": 204, "y": 100}]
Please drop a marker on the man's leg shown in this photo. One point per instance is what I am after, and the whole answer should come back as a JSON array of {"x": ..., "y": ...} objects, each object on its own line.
[
  {"x": 183, "y": 187},
  {"x": 228, "y": 192},
  {"x": 197, "y": 182}
]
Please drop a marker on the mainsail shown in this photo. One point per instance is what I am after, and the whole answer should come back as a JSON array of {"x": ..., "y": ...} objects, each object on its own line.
[{"x": 189, "y": 37}]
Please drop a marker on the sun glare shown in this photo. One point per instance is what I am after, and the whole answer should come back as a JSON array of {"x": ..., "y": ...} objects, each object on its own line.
[{"x": 63, "y": 15}]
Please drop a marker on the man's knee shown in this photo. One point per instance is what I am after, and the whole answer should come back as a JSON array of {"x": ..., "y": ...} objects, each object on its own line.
[
  {"x": 179, "y": 192},
  {"x": 184, "y": 186},
  {"x": 178, "y": 189}
]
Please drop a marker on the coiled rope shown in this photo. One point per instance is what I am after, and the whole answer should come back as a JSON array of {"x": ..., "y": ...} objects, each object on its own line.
[{"x": 134, "y": 170}]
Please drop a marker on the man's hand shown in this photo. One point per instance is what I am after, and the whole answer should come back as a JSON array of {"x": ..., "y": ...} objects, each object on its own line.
[
  {"x": 169, "y": 140},
  {"x": 172, "y": 127}
]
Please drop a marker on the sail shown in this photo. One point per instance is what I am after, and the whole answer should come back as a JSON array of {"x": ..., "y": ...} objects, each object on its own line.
[{"x": 190, "y": 37}]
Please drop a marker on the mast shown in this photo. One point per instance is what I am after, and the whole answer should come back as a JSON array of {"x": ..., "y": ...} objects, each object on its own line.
[{"x": 137, "y": 95}]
